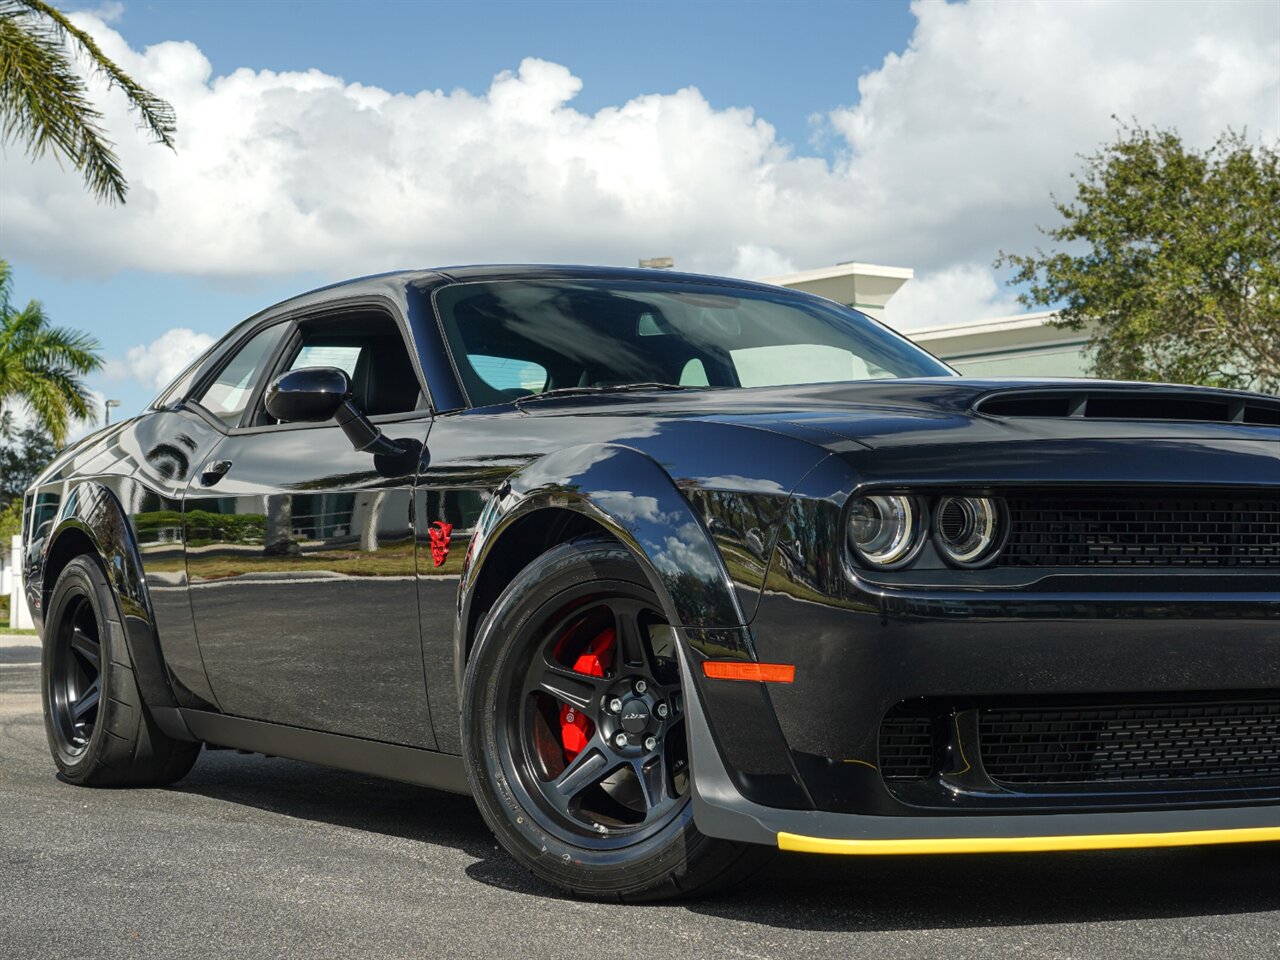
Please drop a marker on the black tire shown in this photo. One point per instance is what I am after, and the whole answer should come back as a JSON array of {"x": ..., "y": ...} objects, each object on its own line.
[
  {"x": 100, "y": 732},
  {"x": 645, "y": 845}
]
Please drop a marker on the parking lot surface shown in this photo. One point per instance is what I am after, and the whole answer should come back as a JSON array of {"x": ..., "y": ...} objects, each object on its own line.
[{"x": 256, "y": 857}]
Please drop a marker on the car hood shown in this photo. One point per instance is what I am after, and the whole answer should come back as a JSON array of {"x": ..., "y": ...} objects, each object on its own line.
[{"x": 884, "y": 413}]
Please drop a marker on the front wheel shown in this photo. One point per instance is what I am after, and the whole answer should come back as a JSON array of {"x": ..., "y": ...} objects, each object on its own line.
[
  {"x": 574, "y": 733},
  {"x": 100, "y": 732}
]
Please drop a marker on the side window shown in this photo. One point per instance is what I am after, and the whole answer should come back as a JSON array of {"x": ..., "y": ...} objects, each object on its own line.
[
  {"x": 368, "y": 348},
  {"x": 319, "y": 355},
  {"x": 228, "y": 395}
]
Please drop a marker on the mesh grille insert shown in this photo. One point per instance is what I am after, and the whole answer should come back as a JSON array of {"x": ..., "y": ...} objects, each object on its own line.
[
  {"x": 1158, "y": 741},
  {"x": 1111, "y": 529},
  {"x": 906, "y": 748}
]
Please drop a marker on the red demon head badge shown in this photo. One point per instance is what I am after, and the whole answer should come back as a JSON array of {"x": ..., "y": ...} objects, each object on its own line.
[{"x": 440, "y": 540}]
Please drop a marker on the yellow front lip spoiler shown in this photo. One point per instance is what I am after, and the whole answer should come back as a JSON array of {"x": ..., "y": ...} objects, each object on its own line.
[{"x": 1105, "y": 841}]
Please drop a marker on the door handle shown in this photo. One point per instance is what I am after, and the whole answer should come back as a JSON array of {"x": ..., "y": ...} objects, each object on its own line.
[{"x": 214, "y": 471}]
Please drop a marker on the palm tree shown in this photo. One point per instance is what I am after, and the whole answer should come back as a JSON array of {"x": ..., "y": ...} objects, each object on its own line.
[
  {"x": 45, "y": 104},
  {"x": 42, "y": 366}
]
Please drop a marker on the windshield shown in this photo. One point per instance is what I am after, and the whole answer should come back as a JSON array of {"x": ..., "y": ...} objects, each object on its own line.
[{"x": 510, "y": 339}]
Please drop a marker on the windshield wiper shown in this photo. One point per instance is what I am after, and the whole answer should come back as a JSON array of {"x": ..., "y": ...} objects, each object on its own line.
[{"x": 610, "y": 388}]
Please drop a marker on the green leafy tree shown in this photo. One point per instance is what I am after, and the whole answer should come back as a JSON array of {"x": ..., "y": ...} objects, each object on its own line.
[
  {"x": 1174, "y": 254},
  {"x": 43, "y": 366},
  {"x": 44, "y": 101},
  {"x": 23, "y": 454},
  {"x": 10, "y": 524}
]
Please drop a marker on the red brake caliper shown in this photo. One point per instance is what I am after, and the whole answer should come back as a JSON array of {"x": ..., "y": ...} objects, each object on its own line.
[{"x": 574, "y": 725}]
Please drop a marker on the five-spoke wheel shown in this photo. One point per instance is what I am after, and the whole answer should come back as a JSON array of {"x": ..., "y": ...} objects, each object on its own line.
[
  {"x": 100, "y": 731},
  {"x": 574, "y": 732},
  {"x": 75, "y": 677},
  {"x": 596, "y": 731}
]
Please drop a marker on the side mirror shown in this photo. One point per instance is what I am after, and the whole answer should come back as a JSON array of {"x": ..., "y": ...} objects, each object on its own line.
[
  {"x": 309, "y": 395},
  {"x": 317, "y": 394}
]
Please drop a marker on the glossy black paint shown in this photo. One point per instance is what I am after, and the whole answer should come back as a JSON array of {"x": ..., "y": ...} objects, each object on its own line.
[
  {"x": 733, "y": 503},
  {"x": 309, "y": 395}
]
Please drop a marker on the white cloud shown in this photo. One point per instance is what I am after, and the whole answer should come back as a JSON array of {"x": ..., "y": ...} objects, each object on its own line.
[
  {"x": 108, "y": 12},
  {"x": 967, "y": 291},
  {"x": 958, "y": 141},
  {"x": 156, "y": 363},
  {"x": 949, "y": 154}
]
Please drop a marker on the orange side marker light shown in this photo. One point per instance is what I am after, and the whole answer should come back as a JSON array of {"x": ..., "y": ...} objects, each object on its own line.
[{"x": 744, "y": 670}]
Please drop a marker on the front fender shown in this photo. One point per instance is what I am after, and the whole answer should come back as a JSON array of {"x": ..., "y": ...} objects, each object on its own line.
[{"x": 631, "y": 496}]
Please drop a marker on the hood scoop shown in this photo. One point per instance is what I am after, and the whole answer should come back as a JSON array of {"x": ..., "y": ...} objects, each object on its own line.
[{"x": 1181, "y": 405}]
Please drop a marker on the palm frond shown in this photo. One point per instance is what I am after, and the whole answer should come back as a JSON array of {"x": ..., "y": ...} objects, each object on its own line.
[
  {"x": 46, "y": 103},
  {"x": 42, "y": 366},
  {"x": 6, "y": 287},
  {"x": 47, "y": 405},
  {"x": 156, "y": 114}
]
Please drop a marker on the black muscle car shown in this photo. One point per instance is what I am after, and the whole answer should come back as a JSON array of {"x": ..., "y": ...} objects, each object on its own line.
[{"x": 668, "y": 571}]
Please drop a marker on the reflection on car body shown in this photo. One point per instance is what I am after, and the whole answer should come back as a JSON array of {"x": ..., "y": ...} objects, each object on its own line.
[{"x": 669, "y": 571}]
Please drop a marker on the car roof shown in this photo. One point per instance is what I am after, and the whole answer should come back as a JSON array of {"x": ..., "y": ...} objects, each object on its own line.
[
  {"x": 526, "y": 271},
  {"x": 462, "y": 273}
]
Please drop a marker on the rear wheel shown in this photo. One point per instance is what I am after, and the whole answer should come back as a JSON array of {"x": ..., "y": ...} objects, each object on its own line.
[
  {"x": 98, "y": 728},
  {"x": 574, "y": 733}
]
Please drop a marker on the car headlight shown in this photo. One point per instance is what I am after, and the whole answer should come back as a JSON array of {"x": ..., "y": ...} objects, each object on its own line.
[
  {"x": 967, "y": 530},
  {"x": 885, "y": 530}
]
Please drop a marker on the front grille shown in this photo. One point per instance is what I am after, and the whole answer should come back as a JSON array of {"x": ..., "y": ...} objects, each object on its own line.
[
  {"x": 906, "y": 748},
  {"x": 1128, "y": 530},
  {"x": 1153, "y": 741}
]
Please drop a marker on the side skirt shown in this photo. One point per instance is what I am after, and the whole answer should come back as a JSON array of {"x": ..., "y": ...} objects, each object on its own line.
[{"x": 441, "y": 771}]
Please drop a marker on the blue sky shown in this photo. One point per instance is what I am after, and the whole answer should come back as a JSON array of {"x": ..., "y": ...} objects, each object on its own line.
[
  {"x": 320, "y": 140},
  {"x": 788, "y": 61},
  {"x": 762, "y": 55}
]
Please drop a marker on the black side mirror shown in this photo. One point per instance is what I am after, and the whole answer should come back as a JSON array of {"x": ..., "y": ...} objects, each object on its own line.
[
  {"x": 316, "y": 394},
  {"x": 309, "y": 395}
]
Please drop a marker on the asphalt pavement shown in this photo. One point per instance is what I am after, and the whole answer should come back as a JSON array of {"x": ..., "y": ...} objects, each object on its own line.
[{"x": 252, "y": 857}]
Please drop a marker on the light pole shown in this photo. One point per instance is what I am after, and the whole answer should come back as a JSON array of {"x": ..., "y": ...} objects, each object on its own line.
[{"x": 106, "y": 411}]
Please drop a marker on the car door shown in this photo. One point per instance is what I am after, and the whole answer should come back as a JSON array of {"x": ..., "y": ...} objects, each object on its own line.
[{"x": 300, "y": 552}]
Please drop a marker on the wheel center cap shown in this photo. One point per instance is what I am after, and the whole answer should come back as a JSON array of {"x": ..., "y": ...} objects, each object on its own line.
[{"x": 635, "y": 716}]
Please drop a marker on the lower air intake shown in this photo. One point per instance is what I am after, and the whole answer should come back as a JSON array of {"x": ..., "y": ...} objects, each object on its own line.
[
  {"x": 906, "y": 748},
  {"x": 1151, "y": 742}
]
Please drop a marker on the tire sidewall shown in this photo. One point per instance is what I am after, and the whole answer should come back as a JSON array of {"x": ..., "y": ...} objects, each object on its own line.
[
  {"x": 81, "y": 577},
  {"x": 529, "y": 596}
]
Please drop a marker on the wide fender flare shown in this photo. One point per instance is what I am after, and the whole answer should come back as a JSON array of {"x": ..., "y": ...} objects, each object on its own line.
[
  {"x": 631, "y": 496},
  {"x": 94, "y": 511}
]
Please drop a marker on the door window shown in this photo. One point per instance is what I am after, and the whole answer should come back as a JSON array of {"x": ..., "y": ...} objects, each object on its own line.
[
  {"x": 370, "y": 350},
  {"x": 319, "y": 355},
  {"x": 228, "y": 395}
]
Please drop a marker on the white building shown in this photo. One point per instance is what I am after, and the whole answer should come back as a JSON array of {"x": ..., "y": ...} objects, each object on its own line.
[{"x": 1020, "y": 346}]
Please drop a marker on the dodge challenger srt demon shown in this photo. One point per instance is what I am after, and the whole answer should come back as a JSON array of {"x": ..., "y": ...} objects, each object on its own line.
[{"x": 668, "y": 571}]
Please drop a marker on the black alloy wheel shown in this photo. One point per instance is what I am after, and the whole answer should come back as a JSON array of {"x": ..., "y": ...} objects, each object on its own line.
[
  {"x": 575, "y": 733},
  {"x": 100, "y": 731},
  {"x": 75, "y": 677},
  {"x": 595, "y": 729}
]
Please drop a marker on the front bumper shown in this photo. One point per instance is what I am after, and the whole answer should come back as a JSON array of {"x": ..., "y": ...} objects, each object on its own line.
[
  {"x": 858, "y": 661},
  {"x": 721, "y": 810}
]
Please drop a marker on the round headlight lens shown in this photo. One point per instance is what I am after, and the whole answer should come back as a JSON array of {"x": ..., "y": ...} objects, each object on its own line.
[
  {"x": 967, "y": 530},
  {"x": 884, "y": 530}
]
